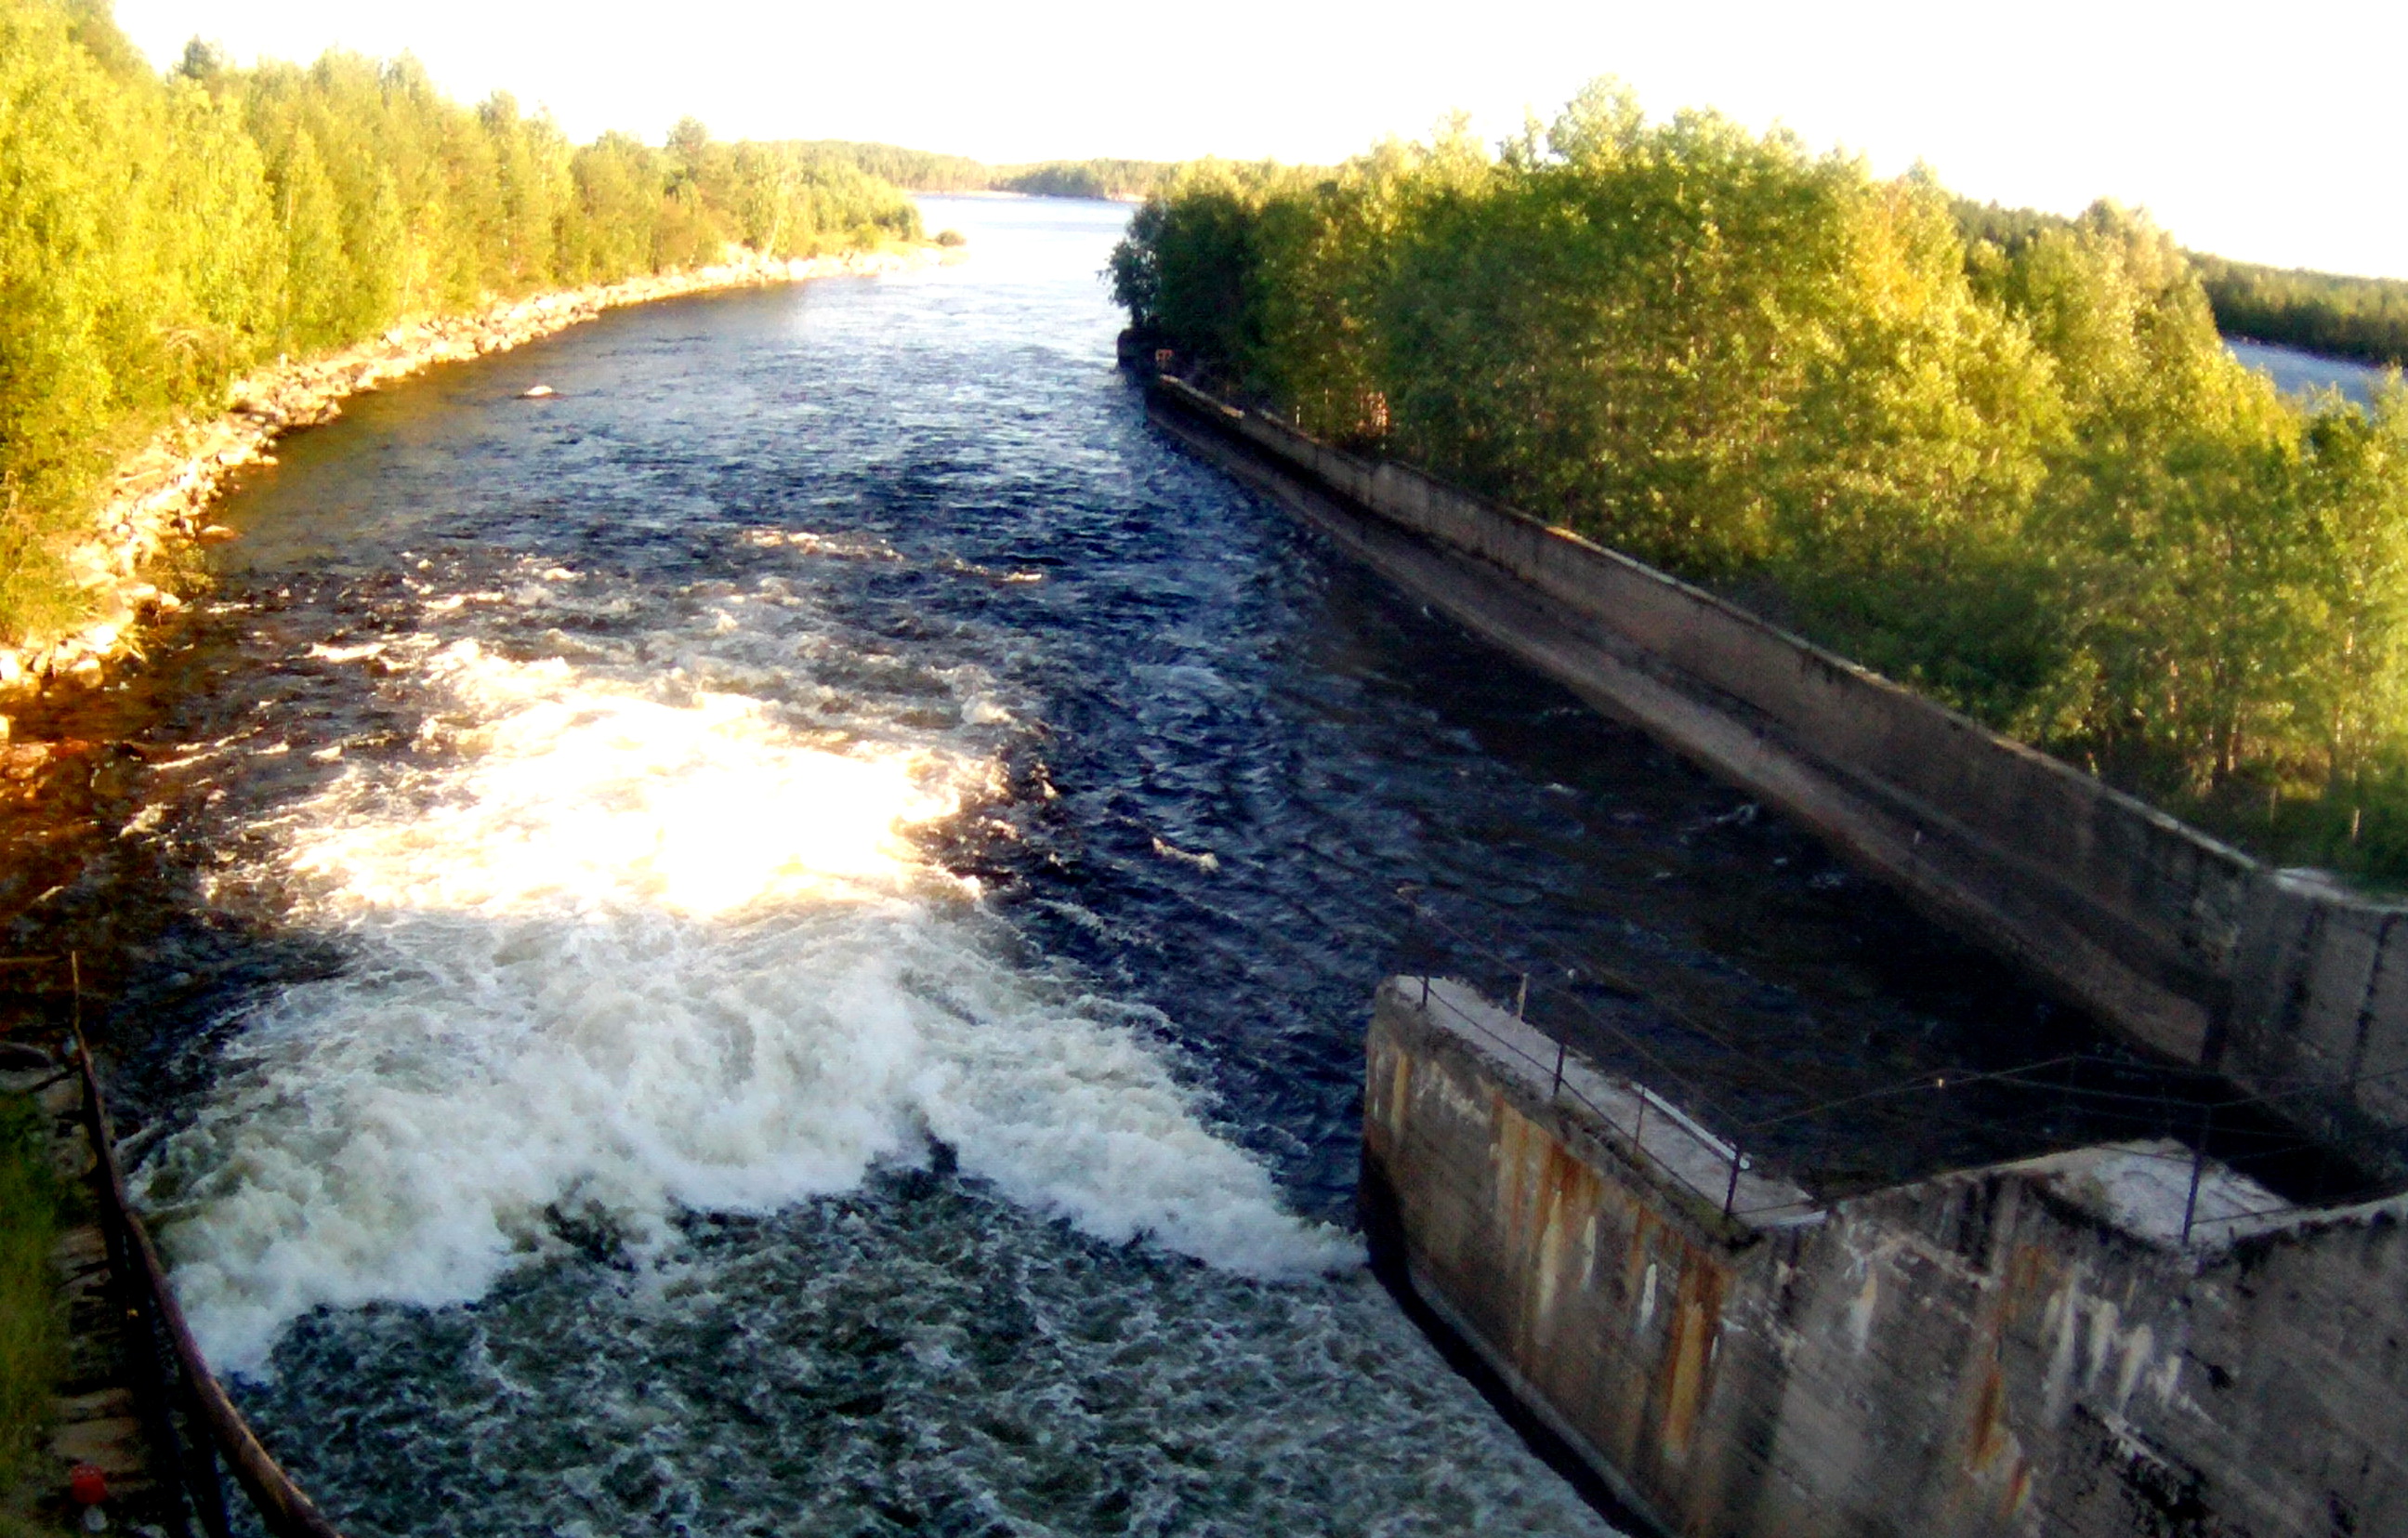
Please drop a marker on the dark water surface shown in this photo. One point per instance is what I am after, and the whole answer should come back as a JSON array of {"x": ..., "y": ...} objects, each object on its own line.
[{"x": 779, "y": 943}]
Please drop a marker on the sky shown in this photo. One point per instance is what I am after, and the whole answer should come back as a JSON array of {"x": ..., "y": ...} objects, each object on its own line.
[{"x": 2261, "y": 134}]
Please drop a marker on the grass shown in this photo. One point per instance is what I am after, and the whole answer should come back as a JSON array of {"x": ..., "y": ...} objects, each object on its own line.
[{"x": 32, "y": 1331}]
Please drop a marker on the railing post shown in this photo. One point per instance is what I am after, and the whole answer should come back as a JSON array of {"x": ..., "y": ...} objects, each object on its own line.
[
  {"x": 1730, "y": 1192},
  {"x": 207, "y": 1482},
  {"x": 1522, "y": 996},
  {"x": 1557, "y": 1088},
  {"x": 2198, "y": 1171}
]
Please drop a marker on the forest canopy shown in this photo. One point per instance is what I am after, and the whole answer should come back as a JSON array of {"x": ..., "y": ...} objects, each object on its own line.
[
  {"x": 160, "y": 233},
  {"x": 2342, "y": 317},
  {"x": 2018, "y": 470}
]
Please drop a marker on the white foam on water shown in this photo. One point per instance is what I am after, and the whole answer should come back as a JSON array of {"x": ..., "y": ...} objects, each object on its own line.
[{"x": 615, "y": 954}]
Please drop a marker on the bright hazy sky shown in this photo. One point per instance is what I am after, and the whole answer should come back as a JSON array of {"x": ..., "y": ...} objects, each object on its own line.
[{"x": 2273, "y": 135}]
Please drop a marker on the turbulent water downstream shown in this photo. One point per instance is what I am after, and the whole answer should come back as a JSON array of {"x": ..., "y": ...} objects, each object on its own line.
[{"x": 777, "y": 942}]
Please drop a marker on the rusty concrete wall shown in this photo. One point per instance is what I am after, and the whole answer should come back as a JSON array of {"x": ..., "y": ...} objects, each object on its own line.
[
  {"x": 1989, "y": 1352},
  {"x": 2181, "y": 942}
]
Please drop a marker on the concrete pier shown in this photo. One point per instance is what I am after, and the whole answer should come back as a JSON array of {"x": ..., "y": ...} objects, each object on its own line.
[{"x": 2028, "y": 1349}]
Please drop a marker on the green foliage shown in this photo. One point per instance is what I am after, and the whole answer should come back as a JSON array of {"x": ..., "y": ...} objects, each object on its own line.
[
  {"x": 1098, "y": 178},
  {"x": 926, "y": 172},
  {"x": 1995, "y": 224},
  {"x": 2364, "y": 318},
  {"x": 1191, "y": 267},
  {"x": 2015, "y": 467},
  {"x": 159, "y": 235},
  {"x": 921, "y": 170}
]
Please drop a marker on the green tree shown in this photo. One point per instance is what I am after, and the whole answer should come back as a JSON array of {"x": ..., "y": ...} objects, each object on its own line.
[
  {"x": 2002, "y": 456},
  {"x": 159, "y": 232}
]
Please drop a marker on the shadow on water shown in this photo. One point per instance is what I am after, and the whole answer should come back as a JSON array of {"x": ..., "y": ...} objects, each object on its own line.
[{"x": 1386, "y": 793}]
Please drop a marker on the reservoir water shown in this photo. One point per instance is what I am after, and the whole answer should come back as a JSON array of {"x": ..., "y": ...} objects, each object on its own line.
[
  {"x": 778, "y": 943},
  {"x": 2298, "y": 373}
]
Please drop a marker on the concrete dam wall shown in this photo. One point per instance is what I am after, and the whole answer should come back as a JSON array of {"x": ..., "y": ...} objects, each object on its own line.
[
  {"x": 2082, "y": 1345},
  {"x": 2290, "y": 986}
]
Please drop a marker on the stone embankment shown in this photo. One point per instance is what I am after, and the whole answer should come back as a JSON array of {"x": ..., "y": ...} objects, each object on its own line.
[{"x": 160, "y": 498}]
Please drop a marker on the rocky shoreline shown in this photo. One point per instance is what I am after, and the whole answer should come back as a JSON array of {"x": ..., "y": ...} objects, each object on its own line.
[{"x": 159, "y": 499}]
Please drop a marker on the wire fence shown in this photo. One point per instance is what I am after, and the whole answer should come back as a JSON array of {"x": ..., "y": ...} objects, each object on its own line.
[
  {"x": 1768, "y": 1131},
  {"x": 1681, "y": 1149},
  {"x": 1833, "y": 1126}
]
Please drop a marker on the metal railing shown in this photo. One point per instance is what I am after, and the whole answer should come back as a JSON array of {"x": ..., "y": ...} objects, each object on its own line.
[
  {"x": 176, "y": 1384},
  {"x": 2193, "y": 1108},
  {"x": 1629, "y": 1126}
]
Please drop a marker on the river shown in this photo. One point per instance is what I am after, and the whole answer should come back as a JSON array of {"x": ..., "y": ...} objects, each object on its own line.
[
  {"x": 778, "y": 941},
  {"x": 2308, "y": 374}
]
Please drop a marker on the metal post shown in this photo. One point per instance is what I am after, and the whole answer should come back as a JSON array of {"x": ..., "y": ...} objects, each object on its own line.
[
  {"x": 1522, "y": 996},
  {"x": 1558, "y": 1086},
  {"x": 2197, "y": 1169},
  {"x": 1730, "y": 1194},
  {"x": 208, "y": 1484}
]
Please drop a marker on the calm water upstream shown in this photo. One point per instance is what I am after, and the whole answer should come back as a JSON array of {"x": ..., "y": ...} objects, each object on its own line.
[
  {"x": 2308, "y": 374},
  {"x": 778, "y": 943}
]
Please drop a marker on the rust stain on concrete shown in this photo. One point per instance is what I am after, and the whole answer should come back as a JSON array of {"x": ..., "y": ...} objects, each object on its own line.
[
  {"x": 1686, "y": 1376},
  {"x": 1568, "y": 1199}
]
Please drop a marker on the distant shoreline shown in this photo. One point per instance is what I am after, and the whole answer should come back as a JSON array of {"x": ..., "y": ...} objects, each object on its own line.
[{"x": 1130, "y": 198}]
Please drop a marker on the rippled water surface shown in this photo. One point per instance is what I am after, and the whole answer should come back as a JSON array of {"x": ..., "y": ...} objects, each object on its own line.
[
  {"x": 778, "y": 943},
  {"x": 706, "y": 1003}
]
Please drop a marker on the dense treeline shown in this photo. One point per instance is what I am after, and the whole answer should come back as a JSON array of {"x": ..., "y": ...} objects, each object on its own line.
[
  {"x": 2021, "y": 472},
  {"x": 2364, "y": 318},
  {"x": 1996, "y": 224},
  {"x": 926, "y": 172},
  {"x": 159, "y": 234},
  {"x": 921, "y": 170},
  {"x": 1121, "y": 178}
]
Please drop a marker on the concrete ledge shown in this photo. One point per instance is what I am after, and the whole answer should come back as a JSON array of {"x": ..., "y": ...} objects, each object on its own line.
[
  {"x": 1723, "y": 1189},
  {"x": 2294, "y": 989}
]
